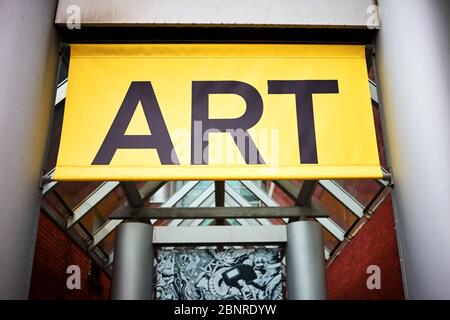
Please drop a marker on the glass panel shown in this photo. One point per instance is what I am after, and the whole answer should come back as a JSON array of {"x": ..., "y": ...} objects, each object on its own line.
[
  {"x": 108, "y": 243},
  {"x": 98, "y": 215},
  {"x": 74, "y": 193},
  {"x": 362, "y": 190},
  {"x": 245, "y": 193},
  {"x": 282, "y": 198},
  {"x": 163, "y": 193},
  {"x": 297, "y": 183},
  {"x": 194, "y": 193},
  {"x": 329, "y": 240},
  {"x": 82, "y": 232},
  {"x": 337, "y": 212},
  {"x": 177, "y": 185},
  {"x": 53, "y": 202}
]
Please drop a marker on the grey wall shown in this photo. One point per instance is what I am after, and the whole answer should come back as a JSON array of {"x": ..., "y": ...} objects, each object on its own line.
[
  {"x": 28, "y": 66},
  {"x": 318, "y": 13},
  {"x": 413, "y": 56}
]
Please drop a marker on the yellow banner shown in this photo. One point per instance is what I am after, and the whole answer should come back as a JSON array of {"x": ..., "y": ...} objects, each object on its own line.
[{"x": 217, "y": 112}]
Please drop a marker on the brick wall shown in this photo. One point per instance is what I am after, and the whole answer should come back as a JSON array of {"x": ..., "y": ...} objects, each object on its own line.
[
  {"x": 53, "y": 254},
  {"x": 374, "y": 244}
]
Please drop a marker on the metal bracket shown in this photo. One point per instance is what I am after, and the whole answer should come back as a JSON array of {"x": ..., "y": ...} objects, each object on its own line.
[
  {"x": 391, "y": 181},
  {"x": 389, "y": 177},
  {"x": 64, "y": 52},
  {"x": 370, "y": 51},
  {"x": 44, "y": 179},
  {"x": 370, "y": 54},
  {"x": 368, "y": 210}
]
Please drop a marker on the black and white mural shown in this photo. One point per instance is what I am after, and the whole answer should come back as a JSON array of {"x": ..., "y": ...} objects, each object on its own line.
[{"x": 210, "y": 274}]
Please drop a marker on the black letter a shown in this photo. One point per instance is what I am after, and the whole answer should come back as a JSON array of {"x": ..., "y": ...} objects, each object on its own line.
[{"x": 159, "y": 139}]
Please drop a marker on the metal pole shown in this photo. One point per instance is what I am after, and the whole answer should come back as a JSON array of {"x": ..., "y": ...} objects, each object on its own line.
[
  {"x": 306, "y": 279},
  {"x": 28, "y": 68},
  {"x": 220, "y": 198},
  {"x": 413, "y": 62},
  {"x": 133, "y": 262}
]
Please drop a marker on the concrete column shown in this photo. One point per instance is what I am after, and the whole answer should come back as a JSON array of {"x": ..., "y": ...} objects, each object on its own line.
[
  {"x": 306, "y": 279},
  {"x": 133, "y": 262},
  {"x": 28, "y": 68},
  {"x": 413, "y": 60}
]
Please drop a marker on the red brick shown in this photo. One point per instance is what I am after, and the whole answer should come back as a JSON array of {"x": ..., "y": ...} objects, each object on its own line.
[
  {"x": 54, "y": 252},
  {"x": 374, "y": 244}
]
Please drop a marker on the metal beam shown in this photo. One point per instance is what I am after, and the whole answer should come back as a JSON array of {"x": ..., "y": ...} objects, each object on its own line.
[
  {"x": 48, "y": 187},
  {"x": 373, "y": 92},
  {"x": 110, "y": 259},
  {"x": 146, "y": 192},
  {"x": 220, "y": 193},
  {"x": 150, "y": 188},
  {"x": 206, "y": 204},
  {"x": 217, "y": 212},
  {"x": 177, "y": 196},
  {"x": 384, "y": 182},
  {"x": 61, "y": 91},
  {"x": 132, "y": 193},
  {"x": 263, "y": 197},
  {"x": 326, "y": 253},
  {"x": 220, "y": 199},
  {"x": 258, "y": 192},
  {"x": 51, "y": 184},
  {"x": 91, "y": 201},
  {"x": 205, "y": 200},
  {"x": 238, "y": 199},
  {"x": 219, "y": 234},
  {"x": 292, "y": 191},
  {"x": 343, "y": 197},
  {"x": 231, "y": 200},
  {"x": 194, "y": 204},
  {"x": 331, "y": 226},
  {"x": 99, "y": 252},
  {"x": 103, "y": 232},
  {"x": 305, "y": 193},
  {"x": 234, "y": 199}
]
